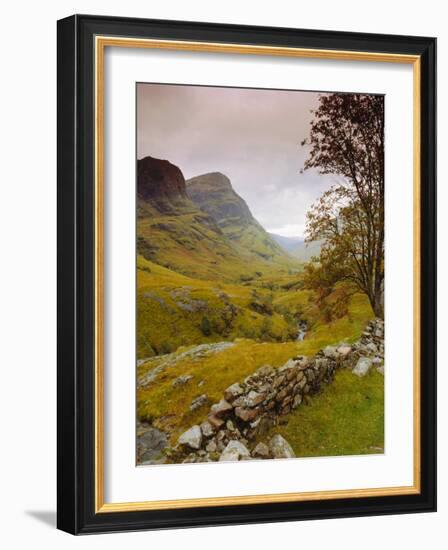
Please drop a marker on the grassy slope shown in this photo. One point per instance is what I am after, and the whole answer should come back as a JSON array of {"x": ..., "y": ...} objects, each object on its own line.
[
  {"x": 172, "y": 307},
  {"x": 168, "y": 407},
  {"x": 345, "y": 418},
  {"x": 188, "y": 242}
]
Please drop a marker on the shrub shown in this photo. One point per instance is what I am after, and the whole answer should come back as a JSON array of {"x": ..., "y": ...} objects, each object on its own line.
[{"x": 206, "y": 328}]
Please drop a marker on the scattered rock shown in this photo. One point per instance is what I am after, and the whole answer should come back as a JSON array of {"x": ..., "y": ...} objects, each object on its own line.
[
  {"x": 191, "y": 438},
  {"x": 150, "y": 445},
  {"x": 198, "y": 402},
  {"x": 280, "y": 448},
  {"x": 182, "y": 380}
]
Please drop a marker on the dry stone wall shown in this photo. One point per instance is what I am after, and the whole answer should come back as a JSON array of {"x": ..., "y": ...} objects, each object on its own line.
[{"x": 250, "y": 408}]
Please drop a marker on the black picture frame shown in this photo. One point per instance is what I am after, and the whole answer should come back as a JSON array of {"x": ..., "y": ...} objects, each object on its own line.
[{"x": 76, "y": 254}]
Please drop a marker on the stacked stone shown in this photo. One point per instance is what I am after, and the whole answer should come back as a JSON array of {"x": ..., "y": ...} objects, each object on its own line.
[{"x": 250, "y": 408}]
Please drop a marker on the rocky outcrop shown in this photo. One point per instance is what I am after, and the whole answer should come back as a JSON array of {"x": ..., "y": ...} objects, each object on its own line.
[
  {"x": 160, "y": 183},
  {"x": 250, "y": 408}
]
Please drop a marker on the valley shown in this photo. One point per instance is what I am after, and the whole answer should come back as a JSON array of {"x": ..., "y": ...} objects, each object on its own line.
[{"x": 218, "y": 297}]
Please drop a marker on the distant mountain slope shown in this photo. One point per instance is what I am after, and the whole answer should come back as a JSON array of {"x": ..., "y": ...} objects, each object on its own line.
[
  {"x": 213, "y": 193},
  {"x": 176, "y": 233},
  {"x": 305, "y": 251},
  {"x": 297, "y": 247},
  {"x": 287, "y": 243}
]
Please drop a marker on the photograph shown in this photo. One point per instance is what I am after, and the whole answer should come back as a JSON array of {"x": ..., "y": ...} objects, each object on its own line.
[{"x": 259, "y": 274}]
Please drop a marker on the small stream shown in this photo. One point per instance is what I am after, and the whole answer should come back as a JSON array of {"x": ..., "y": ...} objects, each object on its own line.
[{"x": 302, "y": 330}]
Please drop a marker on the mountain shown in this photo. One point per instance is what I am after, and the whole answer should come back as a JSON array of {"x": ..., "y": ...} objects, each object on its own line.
[
  {"x": 160, "y": 183},
  {"x": 213, "y": 193},
  {"x": 203, "y": 230}
]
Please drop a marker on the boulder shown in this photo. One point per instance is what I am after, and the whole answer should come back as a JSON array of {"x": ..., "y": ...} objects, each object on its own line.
[
  {"x": 234, "y": 450},
  {"x": 362, "y": 366},
  {"x": 280, "y": 448},
  {"x": 191, "y": 438},
  {"x": 150, "y": 445}
]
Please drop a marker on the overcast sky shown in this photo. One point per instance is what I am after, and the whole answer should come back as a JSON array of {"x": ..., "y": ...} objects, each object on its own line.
[{"x": 251, "y": 136}]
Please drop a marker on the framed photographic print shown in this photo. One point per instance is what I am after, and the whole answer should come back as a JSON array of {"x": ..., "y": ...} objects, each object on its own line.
[{"x": 246, "y": 274}]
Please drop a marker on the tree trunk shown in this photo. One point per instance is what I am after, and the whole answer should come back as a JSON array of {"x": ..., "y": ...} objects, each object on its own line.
[{"x": 377, "y": 303}]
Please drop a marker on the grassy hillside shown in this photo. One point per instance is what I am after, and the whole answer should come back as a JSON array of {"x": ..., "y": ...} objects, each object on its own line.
[
  {"x": 346, "y": 418},
  {"x": 167, "y": 406},
  {"x": 175, "y": 310}
]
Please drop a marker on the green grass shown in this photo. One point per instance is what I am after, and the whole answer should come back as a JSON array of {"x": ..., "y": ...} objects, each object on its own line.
[{"x": 345, "y": 418}]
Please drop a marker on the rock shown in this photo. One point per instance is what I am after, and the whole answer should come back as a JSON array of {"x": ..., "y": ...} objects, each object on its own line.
[
  {"x": 232, "y": 392},
  {"x": 211, "y": 446},
  {"x": 261, "y": 450},
  {"x": 150, "y": 445},
  {"x": 280, "y": 448},
  {"x": 198, "y": 402},
  {"x": 265, "y": 370},
  {"x": 290, "y": 363},
  {"x": 215, "y": 421},
  {"x": 362, "y": 366},
  {"x": 330, "y": 352},
  {"x": 221, "y": 409},
  {"x": 191, "y": 438},
  {"x": 344, "y": 350},
  {"x": 182, "y": 380},
  {"x": 279, "y": 381},
  {"x": 246, "y": 414},
  {"x": 253, "y": 398},
  {"x": 230, "y": 426},
  {"x": 297, "y": 401},
  {"x": 207, "y": 429},
  {"x": 371, "y": 347},
  {"x": 234, "y": 450}
]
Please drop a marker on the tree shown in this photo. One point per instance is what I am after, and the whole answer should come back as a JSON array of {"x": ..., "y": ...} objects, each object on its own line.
[{"x": 347, "y": 140}]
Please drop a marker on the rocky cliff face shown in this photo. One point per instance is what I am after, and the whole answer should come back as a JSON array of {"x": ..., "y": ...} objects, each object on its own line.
[{"x": 160, "y": 183}]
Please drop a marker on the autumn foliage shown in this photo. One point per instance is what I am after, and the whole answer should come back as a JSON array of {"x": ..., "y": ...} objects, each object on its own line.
[{"x": 347, "y": 140}]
